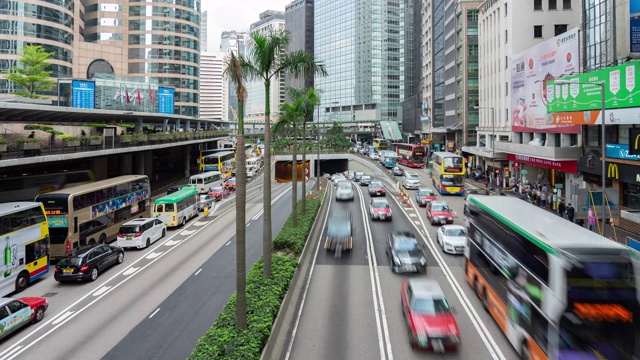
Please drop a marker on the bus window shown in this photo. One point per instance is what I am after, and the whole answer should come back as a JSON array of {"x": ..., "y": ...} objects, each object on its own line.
[
  {"x": 160, "y": 208},
  {"x": 36, "y": 250},
  {"x": 19, "y": 220},
  {"x": 36, "y": 216}
]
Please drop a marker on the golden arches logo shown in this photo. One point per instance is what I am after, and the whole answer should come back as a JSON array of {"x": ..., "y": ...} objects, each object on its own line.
[
  {"x": 635, "y": 143},
  {"x": 613, "y": 171}
]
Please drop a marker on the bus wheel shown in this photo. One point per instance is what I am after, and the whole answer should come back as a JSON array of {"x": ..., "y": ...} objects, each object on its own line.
[
  {"x": 22, "y": 281},
  {"x": 183, "y": 221},
  {"x": 92, "y": 242},
  {"x": 103, "y": 239}
]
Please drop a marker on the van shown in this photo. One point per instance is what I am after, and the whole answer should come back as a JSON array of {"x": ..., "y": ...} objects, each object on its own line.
[{"x": 140, "y": 233}]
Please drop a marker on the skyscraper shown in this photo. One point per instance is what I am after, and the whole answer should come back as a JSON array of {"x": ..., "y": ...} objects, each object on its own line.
[
  {"x": 433, "y": 71},
  {"x": 203, "y": 32},
  {"x": 298, "y": 20},
  {"x": 213, "y": 86},
  {"x": 235, "y": 42}
]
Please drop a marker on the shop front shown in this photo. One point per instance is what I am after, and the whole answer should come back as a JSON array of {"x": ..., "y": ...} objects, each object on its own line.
[{"x": 532, "y": 170}]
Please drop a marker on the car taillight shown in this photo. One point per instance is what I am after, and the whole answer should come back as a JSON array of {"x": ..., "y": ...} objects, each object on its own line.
[
  {"x": 138, "y": 234},
  {"x": 84, "y": 268},
  {"x": 173, "y": 218},
  {"x": 120, "y": 235},
  {"x": 67, "y": 246}
]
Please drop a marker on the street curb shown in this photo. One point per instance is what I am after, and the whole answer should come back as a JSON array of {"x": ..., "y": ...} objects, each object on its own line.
[{"x": 277, "y": 345}]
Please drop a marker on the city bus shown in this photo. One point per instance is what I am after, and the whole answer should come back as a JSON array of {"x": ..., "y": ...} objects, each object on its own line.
[
  {"x": 24, "y": 233},
  {"x": 447, "y": 173},
  {"x": 27, "y": 187},
  {"x": 89, "y": 214},
  {"x": 203, "y": 153},
  {"x": 205, "y": 181},
  {"x": 177, "y": 208},
  {"x": 254, "y": 165},
  {"x": 557, "y": 290},
  {"x": 224, "y": 162},
  {"x": 380, "y": 144},
  {"x": 411, "y": 155}
]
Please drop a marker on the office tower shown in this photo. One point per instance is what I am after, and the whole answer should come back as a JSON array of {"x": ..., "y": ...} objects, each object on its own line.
[
  {"x": 236, "y": 42},
  {"x": 203, "y": 32},
  {"x": 298, "y": 20},
  {"x": 213, "y": 86},
  {"x": 411, "y": 124},
  {"x": 433, "y": 71}
]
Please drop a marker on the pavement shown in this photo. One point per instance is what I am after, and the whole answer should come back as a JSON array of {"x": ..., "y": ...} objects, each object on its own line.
[{"x": 619, "y": 234}]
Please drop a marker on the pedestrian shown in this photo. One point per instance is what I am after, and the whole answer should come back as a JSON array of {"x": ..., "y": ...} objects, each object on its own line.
[
  {"x": 32, "y": 135},
  {"x": 554, "y": 197},
  {"x": 571, "y": 212},
  {"x": 543, "y": 199},
  {"x": 561, "y": 209}
]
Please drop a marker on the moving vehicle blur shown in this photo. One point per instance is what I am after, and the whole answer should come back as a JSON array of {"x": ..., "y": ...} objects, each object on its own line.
[
  {"x": 88, "y": 263},
  {"x": 344, "y": 190},
  {"x": 377, "y": 189},
  {"x": 405, "y": 253},
  {"x": 424, "y": 195},
  {"x": 452, "y": 238},
  {"x": 339, "y": 233}
]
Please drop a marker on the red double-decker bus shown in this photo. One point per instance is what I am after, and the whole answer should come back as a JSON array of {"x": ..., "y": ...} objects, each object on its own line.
[{"x": 411, "y": 155}]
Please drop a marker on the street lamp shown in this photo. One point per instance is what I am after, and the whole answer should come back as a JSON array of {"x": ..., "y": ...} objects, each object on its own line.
[
  {"x": 493, "y": 136},
  {"x": 318, "y": 158},
  {"x": 603, "y": 138}
]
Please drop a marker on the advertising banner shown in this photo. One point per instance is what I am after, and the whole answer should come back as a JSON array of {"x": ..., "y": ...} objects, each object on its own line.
[
  {"x": 585, "y": 94},
  {"x": 531, "y": 70},
  {"x": 620, "y": 151},
  {"x": 569, "y": 166},
  {"x": 625, "y": 116},
  {"x": 634, "y": 36},
  {"x": 165, "y": 100}
]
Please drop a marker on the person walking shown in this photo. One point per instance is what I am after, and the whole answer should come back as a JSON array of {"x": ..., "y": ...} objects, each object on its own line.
[
  {"x": 561, "y": 209},
  {"x": 571, "y": 212},
  {"x": 543, "y": 199}
]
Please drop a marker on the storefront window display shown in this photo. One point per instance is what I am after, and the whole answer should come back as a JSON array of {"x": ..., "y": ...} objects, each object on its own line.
[{"x": 631, "y": 196}]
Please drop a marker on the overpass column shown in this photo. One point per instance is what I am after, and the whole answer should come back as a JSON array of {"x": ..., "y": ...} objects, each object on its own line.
[
  {"x": 187, "y": 127},
  {"x": 198, "y": 126},
  {"x": 186, "y": 150},
  {"x": 138, "y": 163},
  {"x": 139, "y": 127},
  {"x": 100, "y": 167},
  {"x": 165, "y": 125},
  {"x": 178, "y": 125}
]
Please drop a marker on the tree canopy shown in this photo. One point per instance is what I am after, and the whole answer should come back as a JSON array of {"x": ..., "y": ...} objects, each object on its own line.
[{"x": 32, "y": 75}]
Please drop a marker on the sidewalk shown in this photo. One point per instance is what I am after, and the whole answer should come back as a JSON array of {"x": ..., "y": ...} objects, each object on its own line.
[{"x": 620, "y": 233}]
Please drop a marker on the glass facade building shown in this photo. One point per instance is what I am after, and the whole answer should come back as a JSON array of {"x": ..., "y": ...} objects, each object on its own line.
[
  {"x": 364, "y": 46},
  {"x": 599, "y": 27},
  {"x": 298, "y": 20}
]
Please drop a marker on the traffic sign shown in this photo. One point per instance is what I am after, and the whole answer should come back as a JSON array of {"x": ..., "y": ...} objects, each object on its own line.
[{"x": 524, "y": 172}]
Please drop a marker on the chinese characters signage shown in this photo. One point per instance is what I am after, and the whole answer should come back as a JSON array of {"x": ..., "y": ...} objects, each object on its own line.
[
  {"x": 83, "y": 94},
  {"x": 165, "y": 100},
  {"x": 570, "y": 166}
]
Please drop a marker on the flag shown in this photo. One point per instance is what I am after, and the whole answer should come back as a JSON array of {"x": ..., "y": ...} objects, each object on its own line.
[
  {"x": 118, "y": 94},
  {"x": 126, "y": 95},
  {"x": 139, "y": 96},
  {"x": 150, "y": 94}
]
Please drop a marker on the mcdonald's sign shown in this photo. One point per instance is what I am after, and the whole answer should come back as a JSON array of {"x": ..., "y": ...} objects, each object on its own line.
[
  {"x": 613, "y": 171},
  {"x": 634, "y": 141}
]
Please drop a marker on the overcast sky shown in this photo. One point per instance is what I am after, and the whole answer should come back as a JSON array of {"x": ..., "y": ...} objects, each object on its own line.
[{"x": 225, "y": 15}]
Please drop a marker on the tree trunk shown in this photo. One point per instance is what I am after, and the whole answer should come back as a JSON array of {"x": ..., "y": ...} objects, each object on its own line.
[
  {"x": 241, "y": 200},
  {"x": 294, "y": 178},
  {"x": 304, "y": 166},
  {"x": 266, "y": 227}
]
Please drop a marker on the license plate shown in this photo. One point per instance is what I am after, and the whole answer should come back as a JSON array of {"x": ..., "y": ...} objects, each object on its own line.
[
  {"x": 382, "y": 217},
  {"x": 443, "y": 221},
  {"x": 410, "y": 267},
  {"x": 437, "y": 345},
  {"x": 129, "y": 237},
  {"x": 67, "y": 271}
]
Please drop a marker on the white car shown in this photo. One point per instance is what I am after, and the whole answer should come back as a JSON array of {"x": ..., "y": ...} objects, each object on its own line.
[
  {"x": 344, "y": 190},
  {"x": 452, "y": 238},
  {"x": 374, "y": 156},
  {"x": 140, "y": 233},
  {"x": 206, "y": 201},
  {"x": 411, "y": 180}
]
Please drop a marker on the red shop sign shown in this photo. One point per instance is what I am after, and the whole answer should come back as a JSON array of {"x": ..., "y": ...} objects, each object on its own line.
[{"x": 570, "y": 166}]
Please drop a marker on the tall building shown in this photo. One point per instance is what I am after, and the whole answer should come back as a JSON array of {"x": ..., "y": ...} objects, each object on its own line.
[
  {"x": 365, "y": 48},
  {"x": 255, "y": 102},
  {"x": 213, "y": 86},
  {"x": 412, "y": 114},
  {"x": 433, "y": 60},
  {"x": 235, "y": 42},
  {"x": 120, "y": 39},
  {"x": 204, "y": 37},
  {"x": 298, "y": 20}
]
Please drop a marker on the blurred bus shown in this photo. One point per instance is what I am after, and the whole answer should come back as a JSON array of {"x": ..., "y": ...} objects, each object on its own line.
[
  {"x": 411, "y": 155},
  {"x": 26, "y": 188},
  {"x": 224, "y": 162},
  {"x": 381, "y": 144},
  {"x": 25, "y": 236},
  {"x": 557, "y": 290},
  {"x": 205, "y": 181},
  {"x": 177, "y": 208},
  {"x": 89, "y": 214},
  {"x": 447, "y": 173}
]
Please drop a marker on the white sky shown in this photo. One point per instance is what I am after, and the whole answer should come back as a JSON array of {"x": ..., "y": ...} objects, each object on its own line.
[{"x": 225, "y": 15}]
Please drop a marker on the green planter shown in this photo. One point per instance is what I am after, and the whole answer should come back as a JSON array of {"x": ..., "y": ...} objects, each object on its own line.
[
  {"x": 29, "y": 146},
  {"x": 72, "y": 143},
  {"x": 95, "y": 142}
]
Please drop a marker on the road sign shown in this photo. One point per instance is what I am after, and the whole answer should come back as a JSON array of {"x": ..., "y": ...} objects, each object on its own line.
[{"x": 524, "y": 172}]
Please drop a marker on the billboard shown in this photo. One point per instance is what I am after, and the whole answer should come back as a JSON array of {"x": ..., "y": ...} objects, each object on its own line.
[
  {"x": 620, "y": 90},
  {"x": 165, "y": 100},
  {"x": 83, "y": 94},
  {"x": 634, "y": 22},
  {"x": 531, "y": 70},
  {"x": 624, "y": 116}
]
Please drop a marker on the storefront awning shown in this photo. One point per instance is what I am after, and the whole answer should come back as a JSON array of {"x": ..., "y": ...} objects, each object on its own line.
[{"x": 483, "y": 151}]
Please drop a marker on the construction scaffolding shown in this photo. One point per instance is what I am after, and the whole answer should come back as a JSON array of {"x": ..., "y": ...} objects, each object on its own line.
[{"x": 594, "y": 207}]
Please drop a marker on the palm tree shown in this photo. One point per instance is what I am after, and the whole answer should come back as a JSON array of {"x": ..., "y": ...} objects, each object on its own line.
[
  {"x": 267, "y": 60},
  {"x": 234, "y": 71},
  {"x": 307, "y": 102},
  {"x": 290, "y": 121}
]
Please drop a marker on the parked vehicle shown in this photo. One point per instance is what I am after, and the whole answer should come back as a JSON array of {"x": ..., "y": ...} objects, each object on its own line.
[
  {"x": 140, "y": 233},
  {"x": 438, "y": 212},
  {"x": 452, "y": 238},
  {"x": 405, "y": 253},
  {"x": 17, "y": 313},
  {"x": 88, "y": 263}
]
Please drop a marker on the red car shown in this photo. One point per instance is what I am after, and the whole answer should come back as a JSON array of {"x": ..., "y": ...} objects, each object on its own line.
[
  {"x": 16, "y": 313},
  {"x": 429, "y": 319},
  {"x": 438, "y": 212},
  {"x": 230, "y": 184},
  {"x": 219, "y": 192},
  {"x": 424, "y": 195},
  {"x": 379, "y": 209},
  {"x": 377, "y": 189}
]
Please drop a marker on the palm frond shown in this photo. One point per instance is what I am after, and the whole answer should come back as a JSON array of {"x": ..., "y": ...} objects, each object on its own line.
[{"x": 300, "y": 63}]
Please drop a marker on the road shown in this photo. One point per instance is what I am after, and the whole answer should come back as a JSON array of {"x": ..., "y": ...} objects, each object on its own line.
[
  {"x": 352, "y": 307},
  {"x": 155, "y": 305}
]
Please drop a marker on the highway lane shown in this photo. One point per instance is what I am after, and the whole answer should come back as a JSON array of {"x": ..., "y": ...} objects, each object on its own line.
[
  {"x": 88, "y": 320},
  {"x": 352, "y": 308}
]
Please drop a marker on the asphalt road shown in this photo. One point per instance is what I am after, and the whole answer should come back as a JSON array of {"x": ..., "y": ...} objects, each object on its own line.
[
  {"x": 158, "y": 303},
  {"x": 352, "y": 307}
]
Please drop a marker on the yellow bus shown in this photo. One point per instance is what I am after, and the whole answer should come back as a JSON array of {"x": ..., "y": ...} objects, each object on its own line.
[
  {"x": 177, "y": 208},
  {"x": 381, "y": 144},
  {"x": 89, "y": 214},
  {"x": 447, "y": 173},
  {"x": 224, "y": 162},
  {"x": 25, "y": 236}
]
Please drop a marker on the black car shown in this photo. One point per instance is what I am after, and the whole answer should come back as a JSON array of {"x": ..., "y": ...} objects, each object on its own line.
[
  {"x": 339, "y": 233},
  {"x": 397, "y": 171},
  {"x": 365, "y": 180},
  {"x": 173, "y": 188},
  {"x": 88, "y": 263},
  {"x": 405, "y": 253}
]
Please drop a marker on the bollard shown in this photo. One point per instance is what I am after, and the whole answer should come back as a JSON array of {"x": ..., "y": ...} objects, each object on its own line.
[
  {"x": 310, "y": 195},
  {"x": 206, "y": 211},
  {"x": 408, "y": 204}
]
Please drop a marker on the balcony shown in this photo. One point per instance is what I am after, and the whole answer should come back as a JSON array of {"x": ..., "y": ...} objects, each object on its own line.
[{"x": 547, "y": 152}]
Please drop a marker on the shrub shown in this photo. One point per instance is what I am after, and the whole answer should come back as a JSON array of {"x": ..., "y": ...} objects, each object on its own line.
[
  {"x": 2, "y": 140},
  {"x": 95, "y": 137},
  {"x": 291, "y": 239},
  {"x": 94, "y": 125},
  {"x": 69, "y": 137},
  {"x": 27, "y": 140},
  {"x": 44, "y": 128},
  {"x": 264, "y": 296}
]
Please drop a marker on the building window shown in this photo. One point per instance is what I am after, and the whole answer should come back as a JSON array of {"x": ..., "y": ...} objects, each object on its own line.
[
  {"x": 631, "y": 196},
  {"x": 566, "y": 4},
  {"x": 560, "y": 29},
  {"x": 623, "y": 134},
  {"x": 574, "y": 140},
  {"x": 553, "y": 4},
  {"x": 537, "y": 31},
  {"x": 506, "y": 62},
  {"x": 593, "y": 135},
  {"x": 506, "y": 36},
  {"x": 505, "y": 10},
  {"x": 506, "y": 89},
  {"x": 537, "y": 4}
]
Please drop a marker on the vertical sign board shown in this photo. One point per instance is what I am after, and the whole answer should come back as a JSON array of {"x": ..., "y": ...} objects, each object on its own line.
[
  {"x": 83, "y": 94},
  {"x": 634, "y": 36},
  {"x": 165, "y": 100}
]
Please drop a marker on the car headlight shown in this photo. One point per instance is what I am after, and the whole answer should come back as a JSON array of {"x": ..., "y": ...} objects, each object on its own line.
[{"x": 450, "y": 218}]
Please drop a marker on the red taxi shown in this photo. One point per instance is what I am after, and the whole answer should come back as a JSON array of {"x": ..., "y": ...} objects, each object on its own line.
[{"x": 438, "y": 212}]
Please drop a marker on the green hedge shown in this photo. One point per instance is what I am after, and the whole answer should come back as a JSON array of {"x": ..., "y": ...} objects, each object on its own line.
[
  {"x": 264, "y": 297},
  {"x": 44, "y": 128}
]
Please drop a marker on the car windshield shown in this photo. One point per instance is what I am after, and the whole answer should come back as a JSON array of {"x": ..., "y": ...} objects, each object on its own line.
[
  {"x": 380, "y": 205},
  {"x": 430, "y": 306},
  {"x": 425, "y": 193},
  {"x": 231, "y": 181},
  {"x": 344, "y": 185},
  {"x": 376, "y": 184},
  {"x": 405, "y": 244},
  {"x": 359, "y": 173},
  {"x": 440, "y": 208},
  {"x": 455, "y": 232},
  {"x": 128, "y": 229},
  {"x": 413, "y": 176},
  {"x": 217, "y": 189},
  {"x": 366, "y": 178},
  {"x": 70, "y": 261}
]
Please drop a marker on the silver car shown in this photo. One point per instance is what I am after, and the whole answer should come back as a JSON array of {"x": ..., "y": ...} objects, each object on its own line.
[
  {"x": 344, "y": 190},
  {"x": 411, "y": 180},
  {"x": 206, "y": 201}
]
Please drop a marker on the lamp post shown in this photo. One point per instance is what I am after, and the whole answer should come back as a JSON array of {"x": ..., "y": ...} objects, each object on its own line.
[
  {"x": 493, "y": 136},
  {"x": 603, "y": 139},
  {"x": 318, "y": 158}
]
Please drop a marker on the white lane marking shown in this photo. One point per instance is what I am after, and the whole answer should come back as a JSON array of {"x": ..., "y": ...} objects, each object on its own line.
[
  {"x": 130, "y": 271},
  {"x": 413, "y": 215},
  {"x": 200, "y": 223},
  {"x": 153, "y": 255},
  {"x": 198, "y": 272},
  {"x": 62, "y": 317},
  {"x": 172, "y": 242},
  {"x": 257, "y": 216},
  {"x": 306, "y": 287},
  {"x": 101, "y": 290},
  {"x": 153, "y": 313},
  {"x": 227, "y": 244},
  {"x": 482, "y": 330},
  {"x": 187, "y": 232},
  {"x": 384, "y": 342},
  {"x": 248, "y": 224},
  {"x": 14, "y": 350},
  {"x": 417, "y": 222}
]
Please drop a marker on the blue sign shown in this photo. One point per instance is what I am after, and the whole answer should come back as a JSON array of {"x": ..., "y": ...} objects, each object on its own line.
[
  {"x": 634, "y": 244},
  {"x": 620, "y": 151},
  {"x": 83, "y": 94},
  {"x": 634, "y": 22},
  {"x": 211, "y": 167},
  {"x": 165, "y": 100}
]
